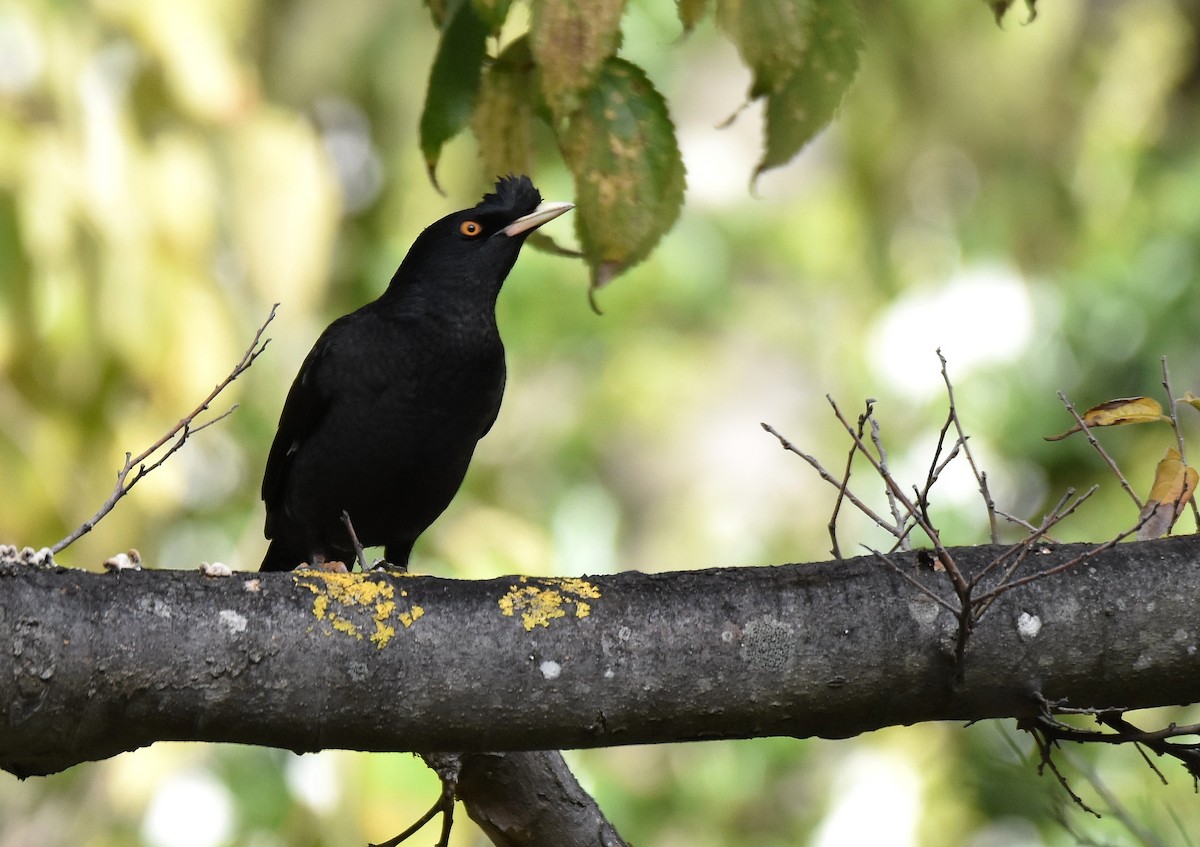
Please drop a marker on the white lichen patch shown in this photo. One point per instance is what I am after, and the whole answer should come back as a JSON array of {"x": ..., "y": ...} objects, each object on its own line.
[
  {"x": 550, "y": 669},
  {"x": 232, "y": 621},
  {"x": 924, "y": 610},
  {"x": 1028, "y": 626}
]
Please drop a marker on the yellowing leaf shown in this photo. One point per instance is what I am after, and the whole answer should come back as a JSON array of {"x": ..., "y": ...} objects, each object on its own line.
[
  {"x": 504, "y": 114},
  {"x": 1191, "y": 399},
  {"x": 1174, "y": 486},
  {"x": 691, "y": 12},
  {"x": 1125, "y": 410},
  {"x": 571, "y": 40},
  {"x": 629, "y": 178}
]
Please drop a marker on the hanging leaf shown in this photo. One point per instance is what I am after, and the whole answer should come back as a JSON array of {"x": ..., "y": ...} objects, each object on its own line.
[
  {"x": 772, "y": 37},
  {"x": 505, "y": 112},
  {"x": 801, "y": 107},
  {"x": 453, "y": 81},
  {"x": 492, "y": 12},
  {"x": 999, "y": 7},
  {"x": 571, "y": 41},
  {"x": 691, "y": 12},
  {"x": 1174, "y": 486},
  {"x": 1125, "y": 410},
  {"x": 629, "y": 177}
]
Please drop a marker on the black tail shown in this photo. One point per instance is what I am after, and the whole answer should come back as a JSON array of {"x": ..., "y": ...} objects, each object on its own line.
[{"x": 280, "y": 557}]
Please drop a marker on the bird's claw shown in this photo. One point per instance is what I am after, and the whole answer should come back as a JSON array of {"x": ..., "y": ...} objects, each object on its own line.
[{"x": 443, "y": 806}]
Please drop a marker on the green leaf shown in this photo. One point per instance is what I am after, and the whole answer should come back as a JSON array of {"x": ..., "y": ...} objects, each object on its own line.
[
  {"x": 772, "y": 37},
  {"x": 629, "y": 177},
  {"x": 805, "y": 103},
  {"x": 691, "y": 12},
  {"x": 1000, "y": 7},
  {"x": 571, "y": 41},
  {"x": 492, "y": 12},
  {"x": 453, "y": 81},
  {"x": 505, "y": 112}
]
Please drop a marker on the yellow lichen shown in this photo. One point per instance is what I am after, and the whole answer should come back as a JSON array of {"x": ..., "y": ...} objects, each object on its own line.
[
  {"x": 338, "y": 595},
  {"x": 409, "y": 618},
  {"x": 543, "y": 599},
  {"x": 383, "y": 633}
]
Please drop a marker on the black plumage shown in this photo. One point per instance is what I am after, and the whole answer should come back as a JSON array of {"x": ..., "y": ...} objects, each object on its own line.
[{"x": 384, "y": 415}]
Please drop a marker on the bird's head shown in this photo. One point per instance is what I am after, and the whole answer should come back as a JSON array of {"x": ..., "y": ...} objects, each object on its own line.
[{"x": 474, "y": 249}]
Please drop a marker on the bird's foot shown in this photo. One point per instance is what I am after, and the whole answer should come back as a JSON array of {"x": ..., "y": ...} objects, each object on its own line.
[
  {"x": 447, "y": 767},
  {"x": 326, "y": 566}
]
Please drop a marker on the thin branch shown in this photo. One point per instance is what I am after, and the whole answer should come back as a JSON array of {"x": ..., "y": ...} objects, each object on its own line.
[
  {"x": 913, "y": 581},
  {"x": 877, "y": 440},
  {"x": 936, "y": 466},
  {"x": 960, "y": 584},
  {"x": 1108, "y": 460},
  {"x": 135, "y": 467},
  {"x": 358, "y": 548},
  {"x": 844, "y": 486},
  {"x": 1045, "y": 743},
  {"x": 980, "y": 477},
  {"x": 830, "y": 478},
  {"x": 1052, "y": 519},
  {"x": 1174, "y": 406},
  {"x": 1075, "y": 562},
  {"x": 1013, "y": 519}
]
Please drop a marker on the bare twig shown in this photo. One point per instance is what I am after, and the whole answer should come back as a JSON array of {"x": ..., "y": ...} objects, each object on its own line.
[
  {"x": 914, "y": 582},
  {"x": 1108, "y": 460},
  {"x": 1025, "y": 545},
  {"x": 830, "y": 478},
  {"x": 960, "y": 584},
  {"x": 135, "y": 467},
  {"x": 937, "y": 464},
  {"x": 980, "y": 476},
  {"x": 844, "y": 486},
  {"x": 358, "y": 548},
  {"x": 877, "y": 440},
  {"x": 1045, "y": 743},
  {"x": 1075, "y": 562},
  {"x": 1174, "y": 407},
  {"x": 1021, "y": 522}
]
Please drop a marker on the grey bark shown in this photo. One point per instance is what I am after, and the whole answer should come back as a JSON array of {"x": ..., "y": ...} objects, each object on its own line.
[{"x": 95, "y": 664}]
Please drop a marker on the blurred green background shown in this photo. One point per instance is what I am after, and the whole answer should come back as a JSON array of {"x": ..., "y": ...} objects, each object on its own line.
[{"x": 1026, "y": 198}]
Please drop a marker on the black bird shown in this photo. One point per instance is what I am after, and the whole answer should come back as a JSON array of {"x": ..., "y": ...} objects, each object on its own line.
[{"x": 383, "y": 418}]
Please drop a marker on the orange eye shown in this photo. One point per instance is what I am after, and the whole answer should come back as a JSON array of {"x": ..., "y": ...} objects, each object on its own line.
[{"x": 470, "y": 228}]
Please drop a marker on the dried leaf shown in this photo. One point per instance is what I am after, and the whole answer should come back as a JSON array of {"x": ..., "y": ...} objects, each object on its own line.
[
  {"x": 1125, "y": 410},
  {"x": 453, "y": 81},
  {"x": 571, "y": 40},
  {"x": 1174, "y": 486},
  {"x": 505, "y": 112},
  {"x": 629, "y": 177},
  {"x": 806, "y": 102}
]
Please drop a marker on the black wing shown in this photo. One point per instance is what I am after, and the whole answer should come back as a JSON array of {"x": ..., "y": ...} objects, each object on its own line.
[{"x": 305, "y": 406}]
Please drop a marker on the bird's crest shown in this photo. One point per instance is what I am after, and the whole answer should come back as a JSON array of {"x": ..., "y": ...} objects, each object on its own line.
[{"x": 514, "y": 196}]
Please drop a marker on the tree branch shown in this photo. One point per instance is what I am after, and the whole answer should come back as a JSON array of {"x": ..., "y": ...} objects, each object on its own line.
[{"x": 427, "y": 664}]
